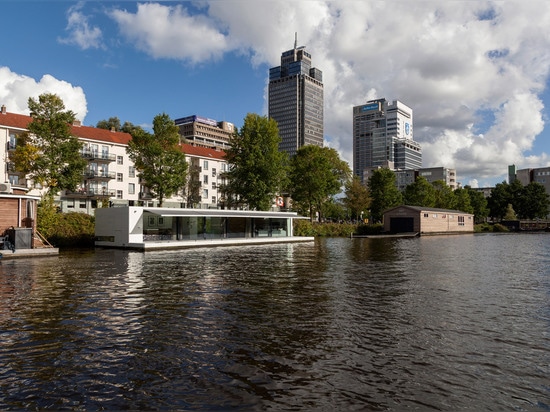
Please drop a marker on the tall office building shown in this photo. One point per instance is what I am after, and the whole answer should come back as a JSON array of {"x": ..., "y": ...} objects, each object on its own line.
[
  {"x": 296, "y": 100},
  {"x": 383, "y": 137}
]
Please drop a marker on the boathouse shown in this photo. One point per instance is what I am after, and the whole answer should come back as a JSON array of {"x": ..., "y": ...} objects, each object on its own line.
[
  {"x": 148, "y": 228},
  {"x": 426, "y": 220},
  {"x": 18, "y": 235}
]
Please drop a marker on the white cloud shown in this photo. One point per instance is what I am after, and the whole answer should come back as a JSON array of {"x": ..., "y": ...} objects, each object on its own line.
[
  {"x": 171, "y": 32},
  {"x": 81, "y": 34},
  {"x": 15, "y": 90},
  {"x": 473, "y": 72}
]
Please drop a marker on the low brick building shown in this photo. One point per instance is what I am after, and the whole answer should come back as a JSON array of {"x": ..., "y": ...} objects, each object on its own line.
[
  {"x": 417, "y": 219},
  {"x": 17, "y": 217}
]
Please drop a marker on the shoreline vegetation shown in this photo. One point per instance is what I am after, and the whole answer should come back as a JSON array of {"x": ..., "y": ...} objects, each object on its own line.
[{"x": 77, "y": 230}]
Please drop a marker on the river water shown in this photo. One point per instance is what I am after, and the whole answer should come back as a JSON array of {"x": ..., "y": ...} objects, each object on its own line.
[{"x": 431, "y": 323}]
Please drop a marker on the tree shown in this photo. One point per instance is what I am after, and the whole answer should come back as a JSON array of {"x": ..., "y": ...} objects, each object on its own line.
[
  {"x": 478, "y": 203},
  {"x": 316, "y": 174},
  {"x": 419, "y": 193},
  {"x": 112, "y": 124},
  {"x": 384, "y": 192},
  {"x": 499, "y": 200},
  {"x": 444, "y": 195},
  {"x": 158, "y": 158},
  {"x": 462, "y": 200},
  {"x": 257, "y": 170},
  {"x": 357, "y": 199},
  {"x": 48, "y": 154},
  {"x": 535, "y": 201},
  {"x": 510, "y": 213}
]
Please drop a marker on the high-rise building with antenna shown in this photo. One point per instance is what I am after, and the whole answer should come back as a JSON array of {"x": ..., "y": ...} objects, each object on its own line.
[{"x": 296, "y": 100}]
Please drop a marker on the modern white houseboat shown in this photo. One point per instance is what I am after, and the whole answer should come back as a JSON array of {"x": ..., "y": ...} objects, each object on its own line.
[{"x": 150, "y": 228}]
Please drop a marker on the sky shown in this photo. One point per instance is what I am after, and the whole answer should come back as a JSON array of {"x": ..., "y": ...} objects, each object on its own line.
[{"x": 475, "y": 73}]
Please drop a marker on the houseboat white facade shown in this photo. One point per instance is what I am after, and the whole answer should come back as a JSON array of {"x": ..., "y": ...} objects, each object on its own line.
[{"x": 150, "y": 228}]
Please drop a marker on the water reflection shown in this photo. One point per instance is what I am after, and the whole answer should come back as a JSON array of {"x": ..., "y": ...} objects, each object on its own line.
[{"x": 431, "y": 323}]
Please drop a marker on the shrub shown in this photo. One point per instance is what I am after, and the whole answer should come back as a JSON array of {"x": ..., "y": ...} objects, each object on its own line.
[
  {"x": 65, "y": 229},
  {"x": 304, "y": 227}
]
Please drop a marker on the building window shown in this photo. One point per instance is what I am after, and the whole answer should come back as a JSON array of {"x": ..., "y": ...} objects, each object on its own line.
[
  {"x": 213, "y": 199},
  {"x": 70, "y": 204},
  {"x": 205, "y": 179},
  {"x": 131, "y": 188},
  {"x": 461, "y": 221},
  {"x": 205, "y": 165},
  {"x": 213, "y": 172},
  {"x": 119, "y": 160},
  {"x": 131, "y": 171},
  {"x": 119, "y": 194},
  {"x": 82, "y": 204},
  {"x": 426, "y": 215},
  {"x": 119, "y": 177},
  {"x": 205, "y": 194}
]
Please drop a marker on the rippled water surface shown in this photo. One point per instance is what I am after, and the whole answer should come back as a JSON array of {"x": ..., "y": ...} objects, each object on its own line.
[{"x": 440, "y": 323}]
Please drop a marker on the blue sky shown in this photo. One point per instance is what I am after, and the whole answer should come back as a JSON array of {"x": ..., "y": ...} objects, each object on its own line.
[{"x": 475, "y": 73}]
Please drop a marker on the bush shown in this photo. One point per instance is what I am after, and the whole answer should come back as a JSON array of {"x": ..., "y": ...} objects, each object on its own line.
[
  {"x": 304, "y": 227},
  {"x": 65, "y": 229},
  {"x": 488, "y": 227}
]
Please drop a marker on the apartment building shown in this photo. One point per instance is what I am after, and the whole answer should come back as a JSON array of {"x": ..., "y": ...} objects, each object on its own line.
[
  {"x": 525, "y": 176},
  {"x": 204, "y": 132},
  {"x": 110, "y": 178},
  {"x": 431, "y": 174}
]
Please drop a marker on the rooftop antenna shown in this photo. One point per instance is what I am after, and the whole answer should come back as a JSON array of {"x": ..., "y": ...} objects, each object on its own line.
[{"x": 295, "y": 40}]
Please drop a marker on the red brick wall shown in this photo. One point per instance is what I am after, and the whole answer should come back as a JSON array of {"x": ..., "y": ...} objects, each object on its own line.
[{"x": 9, "y": 215}]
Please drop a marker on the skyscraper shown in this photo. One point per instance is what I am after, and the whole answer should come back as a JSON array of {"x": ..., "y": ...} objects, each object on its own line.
[
  {"x": 296, "y": 100},
  {"x": 383, "y": 137}
]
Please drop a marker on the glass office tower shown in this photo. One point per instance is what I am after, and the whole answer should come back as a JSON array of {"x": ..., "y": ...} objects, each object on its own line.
[
  {"x": 296, "y": 100},
  {"x": 383, "y": 137}
]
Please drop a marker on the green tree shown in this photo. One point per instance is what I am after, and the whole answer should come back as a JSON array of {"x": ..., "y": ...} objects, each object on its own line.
[
  {"x": 48, "y": 153},
  {"x": 462, "y": 200},
  {"x": 384, "y": 193},
  {"x": 535, "y": 201},
  {"x": 478, "y": 203},
  {"x": 499, "y": 200},
  {"x": 510, "y": 213},
  {"x": 112, "y": 124},
  {"x": 419, "y": 193},
  {"x": 257, "y": 169},
  {"x": 316, "y": 174},
  {"x": 357, "y": 198},
  {"x": 193, "y": 188},
  {"x": 444, "y": 195},
  {"x": 158, "y": 158}
]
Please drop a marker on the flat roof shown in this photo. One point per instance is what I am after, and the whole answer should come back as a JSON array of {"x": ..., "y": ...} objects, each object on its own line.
[{"x": 166, "y": 212}]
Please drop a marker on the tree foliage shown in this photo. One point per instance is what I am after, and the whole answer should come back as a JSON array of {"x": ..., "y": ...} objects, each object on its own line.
[
  {"x": 420, "y": 193},
  {"x": 257, "y": 170},
  {"x": 357, "y": 198},
  {"x": 478, "y": 203},
  {"x": 316, "y": 174},
  {"x": 528, "y": 202},
  {"x": 158, "y": 158},
  {"x": 384, "y": 193},
  {"x": 113, "y": 123},
  {"x": 48, "y": 153}
]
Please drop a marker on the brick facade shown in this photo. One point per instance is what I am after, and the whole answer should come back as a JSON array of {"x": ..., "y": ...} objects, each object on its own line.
[{"x": 427, "y": 220}]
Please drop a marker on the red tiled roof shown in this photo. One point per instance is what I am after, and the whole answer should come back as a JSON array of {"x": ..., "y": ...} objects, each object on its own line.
[
  {"x": 202, "y": 151},
  {"x": 22, "y": 121}
]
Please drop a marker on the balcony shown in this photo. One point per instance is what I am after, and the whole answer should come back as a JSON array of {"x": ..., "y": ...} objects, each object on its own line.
[
  {"x": 97, "y": 156},
  {"x": 99, "y": 175},
  {"x": 91, "y": 193},
  {"x": 145, "y": 196}
]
